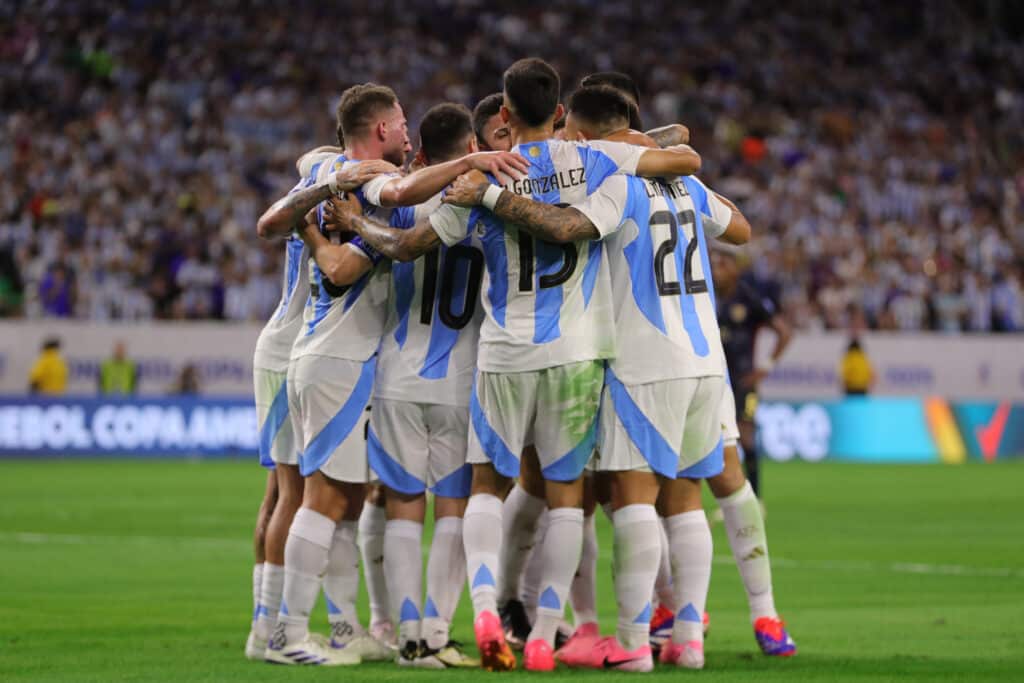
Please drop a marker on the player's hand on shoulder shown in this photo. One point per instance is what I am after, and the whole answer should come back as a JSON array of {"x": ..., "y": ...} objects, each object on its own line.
[
  {"x": 355, "y": 175},
  {"x": 505, "y": 166},
  {"x": 467, "y": 190},
  {"x": 339, "y": 212}
]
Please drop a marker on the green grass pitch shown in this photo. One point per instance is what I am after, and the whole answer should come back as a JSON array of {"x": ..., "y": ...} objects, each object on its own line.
[{"x": 141, "y": 571}]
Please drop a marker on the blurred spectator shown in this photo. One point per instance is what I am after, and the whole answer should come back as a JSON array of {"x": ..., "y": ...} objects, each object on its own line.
[
  {"x": 856, "y": 371},
  {"x": 877, "y": 147},
  {"x": 49, "y": 374},
  {"x": 118, "y": 374},
  {"x": 187, "y": 383}
]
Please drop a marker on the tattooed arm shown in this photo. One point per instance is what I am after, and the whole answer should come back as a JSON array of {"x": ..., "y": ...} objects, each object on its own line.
[
  {"x": 672, "y": 134},
  {"x": 545, "y": 221},
  {"x": 341, "y": 263},
  {"x": 286, "y": 214},
  {"x": 393, "y": 243}
]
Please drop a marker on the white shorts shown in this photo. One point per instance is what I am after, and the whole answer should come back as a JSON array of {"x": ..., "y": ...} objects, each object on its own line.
[
  {"x": 328, "y": 398},
  {"x": 730, "y": 431},
  {"x": 665, "y": 427},
  {"x": 554, "y": 409},
  {"x": 277, "y": 438},
  {"x": 416, "y": 446}
]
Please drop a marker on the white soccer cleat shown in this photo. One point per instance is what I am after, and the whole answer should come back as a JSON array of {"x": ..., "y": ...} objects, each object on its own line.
[
  {"x": 366, "y": 647},
  {"x": 315, "y": 650},
  {"x": 384, "y": 632},
  {"x": 255, "y": 646}
]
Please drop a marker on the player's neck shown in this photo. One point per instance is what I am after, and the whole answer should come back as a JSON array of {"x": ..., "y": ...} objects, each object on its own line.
[
  {"x": 363, "y": 150},
  {"x": 538, "y": 134}
]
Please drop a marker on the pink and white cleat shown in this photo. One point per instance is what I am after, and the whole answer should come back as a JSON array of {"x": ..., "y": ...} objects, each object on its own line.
[
  {"x": 495, "y": 654},
  {"x": 577, "y": 649},
  {"x": 689, "y": 655},
  {"x": 538, "y": 656},
  {"x": 608, "y": 653}
]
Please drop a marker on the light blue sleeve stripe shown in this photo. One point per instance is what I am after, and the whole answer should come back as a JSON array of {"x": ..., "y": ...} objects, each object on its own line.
[
  {"x": 342, "y": 424},
  {"x": 597, "y": 166},
  {"x": 276, "y": 416}
]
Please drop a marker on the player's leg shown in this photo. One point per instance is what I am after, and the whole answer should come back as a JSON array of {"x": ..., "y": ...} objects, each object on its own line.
[
  {"x": 686, "y": 524},
  {"x": 372, "y": 526},
  {"x": 449, "y": 478},
  {"x": 746, "y": 407},
  {"x": 283, "y": 452},
  {"x": 397, "y": 448},
  {"x": 745, "y": 528},
  {"x": 565, "y": 434},
  {"x": 523, "y": 508},
  {"x": 530, "y": 582},
  {"x": 501, "y": 407},
  {"x": 333, "y": 460},
  {"x": 583, "y": 592},
  {"x": 255, "y": 645}
]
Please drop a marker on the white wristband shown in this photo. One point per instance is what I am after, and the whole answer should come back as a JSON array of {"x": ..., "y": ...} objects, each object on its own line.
[
  {"x": 491, "y": 195},
  {"x": 332, "y": 182}
]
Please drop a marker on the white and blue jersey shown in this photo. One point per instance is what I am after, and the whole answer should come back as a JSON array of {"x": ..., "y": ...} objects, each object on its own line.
[
  {"x": 664, "y": 304},
  {"x": 274, "y": 345},
  {"x": 546, "y": 305},
  {"x": 345, "y": 322},
  {"x": 428, "y": 352}
]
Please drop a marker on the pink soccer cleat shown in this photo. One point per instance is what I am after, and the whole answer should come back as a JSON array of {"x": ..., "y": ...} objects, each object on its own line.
[
  {"x": 608, "y": 653},
  {"x": 773, "y": 638},
  {"x": 577, "y": 648},
  {"x": 538, "y": 656},
  {"x": 689, "y": 655},
  {"x": 495, "y": 654}
]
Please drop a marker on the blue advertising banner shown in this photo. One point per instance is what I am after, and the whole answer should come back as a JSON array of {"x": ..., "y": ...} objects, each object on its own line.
[{"x": 137, "y": 426}]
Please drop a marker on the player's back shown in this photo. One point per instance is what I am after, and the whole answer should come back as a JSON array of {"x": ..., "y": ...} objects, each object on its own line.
[
  {"x": 347, "y": 321},
  {"x": 664, "y": 303},
  {"x": 548, "y": 304},
  {"x": 428, "y": 352}
]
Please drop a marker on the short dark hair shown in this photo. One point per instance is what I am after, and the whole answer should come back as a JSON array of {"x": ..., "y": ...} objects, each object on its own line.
[
  {"x": 532, "y": 88},
  {"x": 444, "y": 131},
  {"x": 625, "y": 84},
  {"x": 603, "y": 107},
  {"x": 358, "y": 105},
  {"x": 483, "y": 111}
]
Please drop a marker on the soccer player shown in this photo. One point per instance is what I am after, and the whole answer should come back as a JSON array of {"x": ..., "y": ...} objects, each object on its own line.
[
  {"x": 330, "y": 378},
  {"x": 491, "y": 131},
  {"x": 420, "y": 418},
  {"x": 540, "y": 367},
  {"x": 276, "y": 439},
  {"x": 742, "y": 309},
  {"x": 664, "y": 386}
]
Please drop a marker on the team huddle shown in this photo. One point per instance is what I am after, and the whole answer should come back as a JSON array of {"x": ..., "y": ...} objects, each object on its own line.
[{"x": 527, "y": 332}]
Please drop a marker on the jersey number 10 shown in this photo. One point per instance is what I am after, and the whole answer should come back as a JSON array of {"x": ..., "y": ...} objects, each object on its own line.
[{"x": 475, "y": 265}]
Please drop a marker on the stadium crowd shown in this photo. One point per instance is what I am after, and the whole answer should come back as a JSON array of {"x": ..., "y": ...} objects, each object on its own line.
[{"x": 140, "y": 140}]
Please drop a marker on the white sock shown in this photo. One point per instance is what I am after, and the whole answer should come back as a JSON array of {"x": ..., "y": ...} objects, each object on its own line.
[
  {"x": 663, "y": 583},
  {"x": 341, "y": 583},
  {"x": 403, "y": 567},
  {"x": 371, "y": 548},
  {"x": 530, "y": 582},
  {"x": 270, "y": 599},
  {"x": 257, "y": 583},
  {"x": 561, "y": 551},
  {"x": 744, "y": 524},
  {"x": 635, "y": 566},
  {"x": 583, "y": 592},
  {"x": 446, "y": 575},
  {"x": 305, "y": 561},
  {"x": 481, "y": 533},
  {"x": 689, "y": 538},
  {"x": 519, "y": 528}
]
